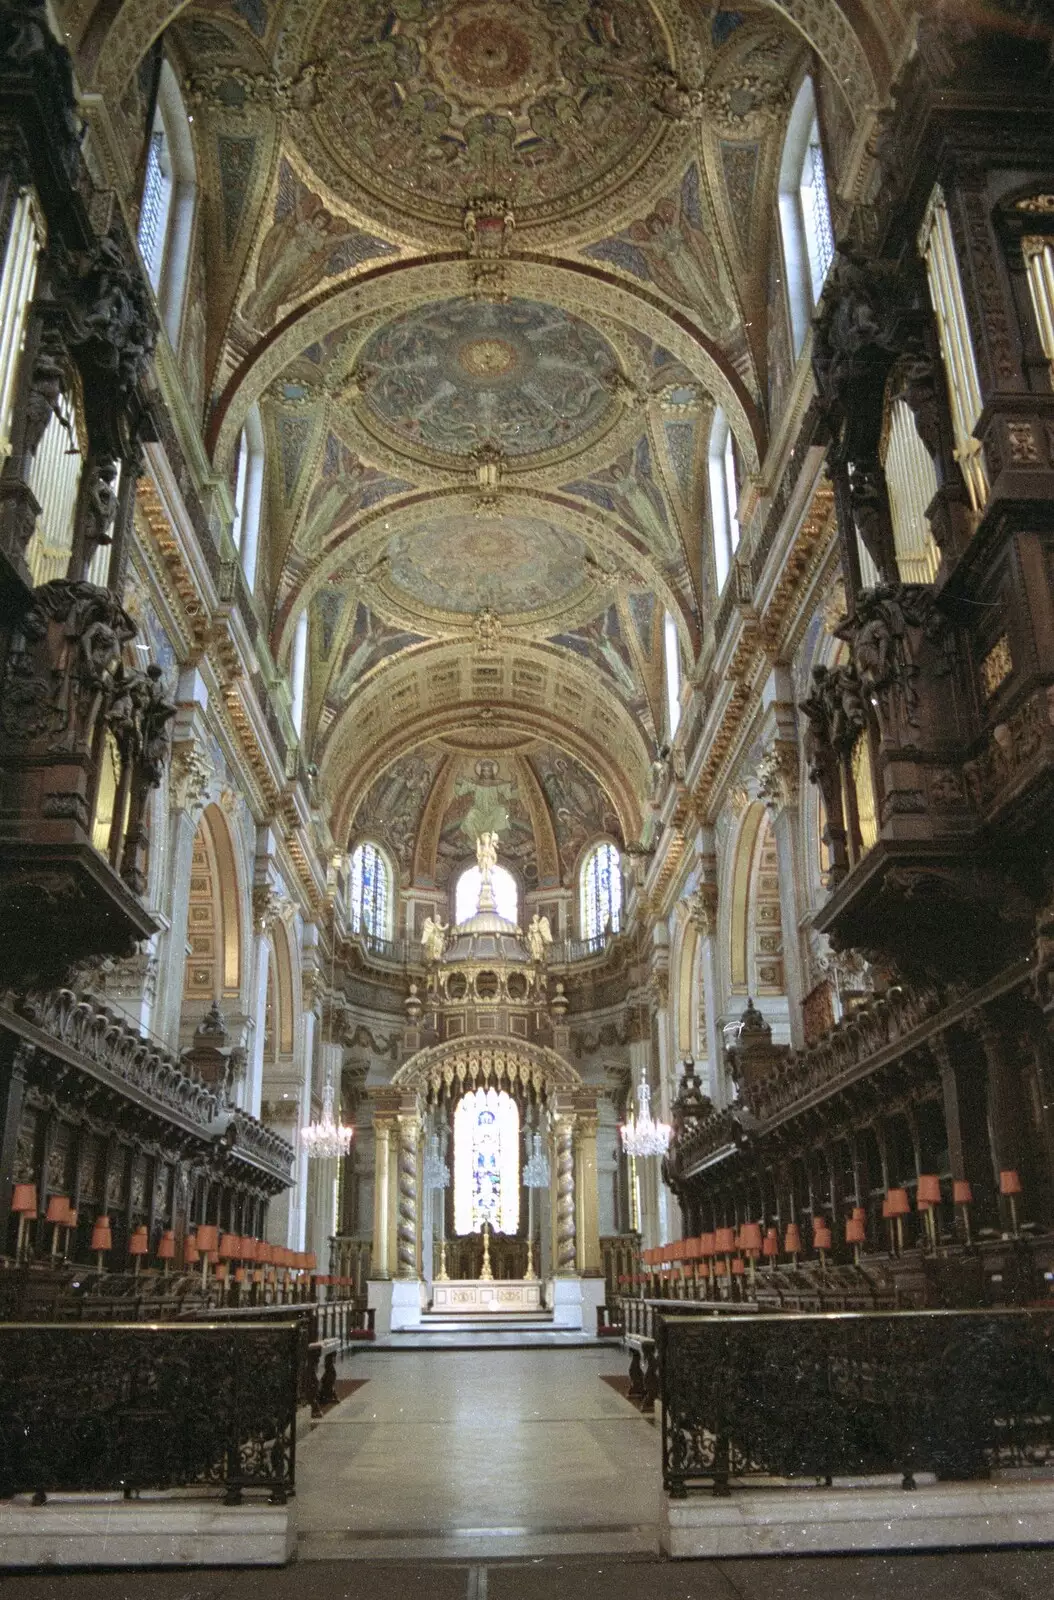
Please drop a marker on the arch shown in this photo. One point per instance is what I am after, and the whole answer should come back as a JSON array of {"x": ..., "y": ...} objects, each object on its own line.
[
  {"x": 477, "y": 1060},
  {"x": 738, "y": 930},
  {"x": 825, "y": 27},
  {"x": 214, "y": 924},
  {"x": 600, "y": 889},
  {"x": 467, "y": 889},
  {"x": 487, "y": 1128},
  {"x": 579, "y": 287},
  {"x": 756, "y": 927}
]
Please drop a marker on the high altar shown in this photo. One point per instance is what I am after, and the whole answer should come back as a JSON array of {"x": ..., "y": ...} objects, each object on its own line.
[{"x": 487, "y": 1041}]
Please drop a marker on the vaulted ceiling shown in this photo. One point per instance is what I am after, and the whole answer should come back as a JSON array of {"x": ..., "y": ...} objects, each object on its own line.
[{"x": 486, "y": 268}]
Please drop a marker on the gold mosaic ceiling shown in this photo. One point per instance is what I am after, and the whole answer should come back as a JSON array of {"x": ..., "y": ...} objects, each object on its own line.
[{"x": 486, "y": 267}]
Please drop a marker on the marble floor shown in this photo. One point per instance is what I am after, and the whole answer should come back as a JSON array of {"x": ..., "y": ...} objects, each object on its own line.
[{"x": 487, "y": 1454}]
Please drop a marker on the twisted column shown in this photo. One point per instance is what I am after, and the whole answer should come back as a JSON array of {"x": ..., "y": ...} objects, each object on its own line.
[
  {"x": 407, "y": 1220},
  {"x": 565, "y": 1198}
]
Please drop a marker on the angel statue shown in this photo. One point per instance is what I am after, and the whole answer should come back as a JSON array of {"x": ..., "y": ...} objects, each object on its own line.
[
  {"x": 433, "y": 938},
  {"x": 539, "y": 936}
]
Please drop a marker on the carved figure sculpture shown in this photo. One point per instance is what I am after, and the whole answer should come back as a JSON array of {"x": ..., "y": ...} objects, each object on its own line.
[
  {"x": 433, "y": 938},
  {"x": 539, "y": 937}
]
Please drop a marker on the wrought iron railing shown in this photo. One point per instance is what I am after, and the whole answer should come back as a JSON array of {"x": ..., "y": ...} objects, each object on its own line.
[
  {"x": 87, "y": 1407},
  {"x": 811, "y": 1396}
]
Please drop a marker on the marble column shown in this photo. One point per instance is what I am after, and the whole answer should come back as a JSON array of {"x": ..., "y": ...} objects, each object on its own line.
[
  {"x": 566, "y": 1243},
  {"x": 778, "y": 787},
  {"x": 409, "y": 1132},
  {"x": 382, "y": 1131}
]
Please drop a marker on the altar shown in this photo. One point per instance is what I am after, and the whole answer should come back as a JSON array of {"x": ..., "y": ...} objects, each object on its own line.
[{"x": 467, "y": 1297}]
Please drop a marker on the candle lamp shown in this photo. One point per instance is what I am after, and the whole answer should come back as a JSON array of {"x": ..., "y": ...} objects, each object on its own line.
[
  {"x": 166, "y": 1249},
  {"x": 70, "y": 1226},
  {"x": 821, "y": 1240},
  {"x": 208, "y": 1240},
  {"x": 56, "y": 1213},
  {"x": 927, "y": 1199},
  {"x": 962, "y": 1196},
  {"x": 101, "y": 1239},
  {"x": 1010, "y": 1188},
  {"x": 24, "y": 1205},
  {"x": 138, "y": 1246},
  {"x": 770, "y": 1247},
  {"x": 750, "y": 1243},
  {"x": 191, "y": 1253},
  {"x": 792, "y": 1241},
  {"x": 855, "y": 1235},
  {"x": 899, "y": 1208}
]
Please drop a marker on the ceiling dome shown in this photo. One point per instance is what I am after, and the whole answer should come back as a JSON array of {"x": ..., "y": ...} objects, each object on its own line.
[
  {"x": 440, "y": 101},
  {"x": 517, "y": 376},
  {"x": 510, "y": 565}
]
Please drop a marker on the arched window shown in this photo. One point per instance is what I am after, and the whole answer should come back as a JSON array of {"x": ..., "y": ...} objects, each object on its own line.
[
  {"x": 486, "y": 1162},
  {"x": 166, "y": 217},
  {"x": 248, "y": 493},
  {"x": 672, "y": 658},
  {"x": 724, "y": 496},
  {"x": 371, "y": 892},
  {"x": 805, "y": 212},
  {"x": 601, "y": 891},
  {"x": 298, "y": 673},
  {"x": 506, "y": 894}
]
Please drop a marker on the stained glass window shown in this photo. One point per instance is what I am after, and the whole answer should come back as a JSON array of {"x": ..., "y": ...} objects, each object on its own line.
[
  {"x": 466, "y": 897},
  {"x": 486, "y": 1162},
  {"x": 601, "y": 891},
  {"x": 371, "y": 892}
]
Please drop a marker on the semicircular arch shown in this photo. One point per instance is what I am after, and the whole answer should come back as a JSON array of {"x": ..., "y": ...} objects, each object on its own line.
[{"x": 474, "y": 1061}]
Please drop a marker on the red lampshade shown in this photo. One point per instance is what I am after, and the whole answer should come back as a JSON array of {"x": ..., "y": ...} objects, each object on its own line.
[
  {"x": 792, "y": 1240},
  {"x": 725, "y": 1241},
  {"x": 821, "y": 1238},
  {"x": 265, "y": 1253},
  {"x": 720, "y": 1267},
  {"x": 1009, "y": 1182},
  {"x": 221, "y": 1271},
  {"x": 71, "y": 1219},
  {"x": 208, "y": 1237},
  {"x": 962, "y": 1194},
  {"x": 191, "y": 1253},
  {"x": 750, "y": 1238},
  {"x": 258, "y": 1275},
  {"x": 230, "y": 1246},
  {"x": 249, "y": 1248},
  {"x": 859, "y": 1214},
  {"x": 24, "y": 1198},
  {"x": 886, "y": 1213},
  {"x": 101, "y": 1234},
  {"x": 706, "y": 1244},
  {"x": 929, "y": 1189},
  {"x": 139, "y": 1244},
  {"x": 166, "y": 1246},
  {"x": 898, "y": 1202},
  {"x": 311, "y": 1262},
  {"x": 239, "y": 1274},
  {"x": 58, "y": 1209},
  {"x": 819, "y": 1221},
  {"x": 737, "y": 1266},
  {"x": 771, "y": 1245},
  {"x": 854, "y": 1231}
]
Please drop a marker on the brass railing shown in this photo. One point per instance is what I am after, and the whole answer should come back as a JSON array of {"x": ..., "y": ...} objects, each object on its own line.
[
  {"x": 90, "y": 1407},
  {"x": 955, "y": 1393}
]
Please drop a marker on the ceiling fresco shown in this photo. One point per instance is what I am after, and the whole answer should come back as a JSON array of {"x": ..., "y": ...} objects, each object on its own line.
[
  {"x": 446, "y": 99},
  {"x": 507, "y": 565},
  {"x": 521, "y": 377},
  {"x": 486, "y": 268}
]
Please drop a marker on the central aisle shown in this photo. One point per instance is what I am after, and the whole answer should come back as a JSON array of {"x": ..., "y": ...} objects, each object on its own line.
[{"x": 480, "y": 1455}]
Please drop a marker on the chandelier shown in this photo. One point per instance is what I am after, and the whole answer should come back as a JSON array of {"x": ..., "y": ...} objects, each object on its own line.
[
  {"x": 536, "y": 1169},
  {"x": 328, "y": 1139},
  {"x": 436, "y": 1173},
  {"x": 640, "y": 1135}
]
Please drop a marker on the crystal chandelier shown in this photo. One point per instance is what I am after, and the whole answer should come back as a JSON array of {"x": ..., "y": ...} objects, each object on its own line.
[
  {"x": 640, "y": 1135},
  {"x": 436, "y": 1173},
  {"x": 328, "y": 1139},
  {"x": 536, "y": 1169}
]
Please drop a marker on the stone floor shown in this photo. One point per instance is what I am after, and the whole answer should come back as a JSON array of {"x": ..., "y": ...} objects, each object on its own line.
[
  {"x": 998, "y": 1575},
  {"x": 493, "y": 1453}
]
